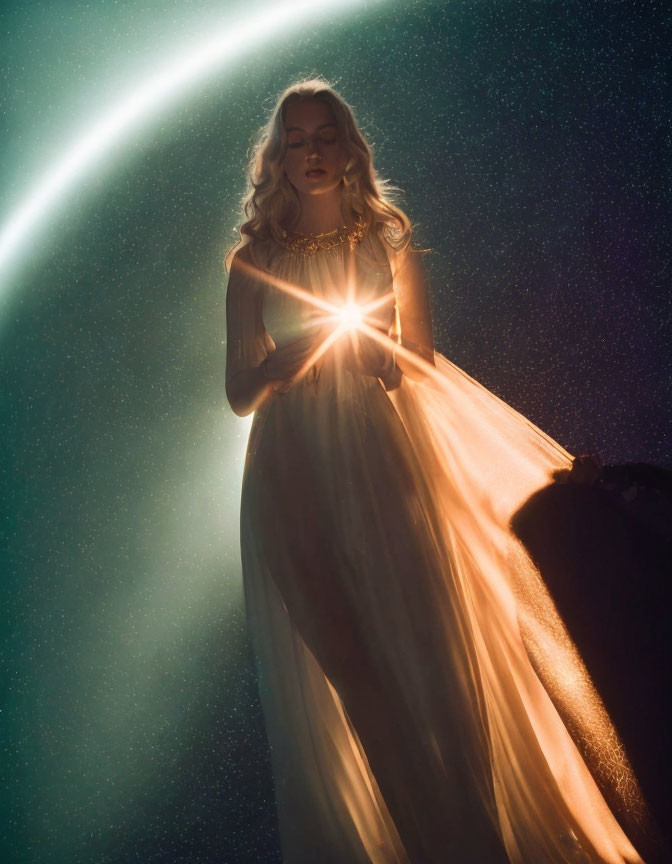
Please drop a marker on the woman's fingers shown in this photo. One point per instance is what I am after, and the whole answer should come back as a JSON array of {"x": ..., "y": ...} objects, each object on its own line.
[
  {"x": 364, "y": 356},
  {"x": 367, "y": 356}
]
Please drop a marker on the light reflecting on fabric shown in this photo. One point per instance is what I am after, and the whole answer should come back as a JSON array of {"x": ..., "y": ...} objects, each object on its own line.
[{"x": 421, "y": 693}]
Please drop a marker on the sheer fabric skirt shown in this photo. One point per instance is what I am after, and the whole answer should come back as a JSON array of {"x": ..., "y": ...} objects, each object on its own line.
[{"x": 417, "y": 683}]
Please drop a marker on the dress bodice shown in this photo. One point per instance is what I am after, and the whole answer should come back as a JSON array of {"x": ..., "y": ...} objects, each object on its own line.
[
  {"x": 361, "y": 273},
  {"x": 279, "y": 294}
]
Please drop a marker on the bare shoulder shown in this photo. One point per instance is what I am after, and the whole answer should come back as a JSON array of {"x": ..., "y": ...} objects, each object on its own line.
[
  {"x": 242, "y": 268},
  {"x": 402, "y": 252},
  {"x": 243, "y": 256},
  {"x": 409, "y": 266}
]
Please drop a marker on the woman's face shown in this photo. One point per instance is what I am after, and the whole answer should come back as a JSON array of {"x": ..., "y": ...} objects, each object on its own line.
[{"x": 316, "y": 157}]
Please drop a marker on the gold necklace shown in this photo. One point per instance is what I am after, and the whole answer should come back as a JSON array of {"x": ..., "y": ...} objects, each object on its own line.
[{"x": 309, "y": 244}]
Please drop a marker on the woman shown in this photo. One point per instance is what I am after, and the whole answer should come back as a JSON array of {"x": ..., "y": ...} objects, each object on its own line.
[{"x": 418, "y": 686}]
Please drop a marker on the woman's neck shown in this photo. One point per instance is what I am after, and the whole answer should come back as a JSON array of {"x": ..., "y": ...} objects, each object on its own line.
[{"x": 320, "y": 213}]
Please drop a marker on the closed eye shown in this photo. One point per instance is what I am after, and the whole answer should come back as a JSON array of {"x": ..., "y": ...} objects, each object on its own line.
[{"x": 323, "y": 138}]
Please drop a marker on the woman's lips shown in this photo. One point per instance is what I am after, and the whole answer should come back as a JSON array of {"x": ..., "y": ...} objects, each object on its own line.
[{"x": 315, "y": 172}]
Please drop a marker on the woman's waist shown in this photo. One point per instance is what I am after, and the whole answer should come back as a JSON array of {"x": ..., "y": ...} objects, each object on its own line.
[{"x": 322, "y": 395}]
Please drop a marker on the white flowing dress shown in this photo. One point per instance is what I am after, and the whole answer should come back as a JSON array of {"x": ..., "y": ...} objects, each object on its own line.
[{"x": 423, "y": 701}]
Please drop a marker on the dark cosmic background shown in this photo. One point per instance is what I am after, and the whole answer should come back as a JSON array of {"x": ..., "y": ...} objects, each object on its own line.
[{"x": 531, "y": 142}]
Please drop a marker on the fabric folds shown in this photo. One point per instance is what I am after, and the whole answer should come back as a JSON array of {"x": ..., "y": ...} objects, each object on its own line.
[{"x": 423, "y": 700}]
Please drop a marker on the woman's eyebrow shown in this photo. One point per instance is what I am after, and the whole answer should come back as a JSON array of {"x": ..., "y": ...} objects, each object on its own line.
[{"x": 299, "y": 129}]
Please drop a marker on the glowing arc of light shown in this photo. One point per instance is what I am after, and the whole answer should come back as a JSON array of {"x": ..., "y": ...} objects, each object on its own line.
[{"x": 149, "y": 97}]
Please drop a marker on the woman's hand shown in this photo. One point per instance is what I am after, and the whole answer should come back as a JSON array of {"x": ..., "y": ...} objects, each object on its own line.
[
  {"x": 282, "y": 365},
  {"x": 367, "y": 356}
]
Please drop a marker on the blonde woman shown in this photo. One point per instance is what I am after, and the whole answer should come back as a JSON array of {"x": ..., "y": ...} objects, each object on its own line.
[{"x": 417, "y": 683}]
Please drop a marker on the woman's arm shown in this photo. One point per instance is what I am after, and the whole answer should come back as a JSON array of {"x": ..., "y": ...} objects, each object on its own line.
[
  {"x": 255, "y": 368},
  {"x": 415, "y": 317},
  {"x": 247, "y": 390},
  {"x": 247, "y": 343}
]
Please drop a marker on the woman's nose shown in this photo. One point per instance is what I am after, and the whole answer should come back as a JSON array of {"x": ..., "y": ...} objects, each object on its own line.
[{"x": 314, "y": 147}]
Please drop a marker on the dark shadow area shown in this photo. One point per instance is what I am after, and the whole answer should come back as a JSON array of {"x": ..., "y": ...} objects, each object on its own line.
[{"x": 601, "y": 537}]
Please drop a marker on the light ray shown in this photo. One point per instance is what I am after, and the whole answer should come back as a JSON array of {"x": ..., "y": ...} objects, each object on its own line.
[
  {"x": 321, "y": 349},
  {"x": 351, "y": 314},
  {"x": 148, "y": 98},
  {"x": 334, "y": 317},
  {"x": 283, "y": 285}
]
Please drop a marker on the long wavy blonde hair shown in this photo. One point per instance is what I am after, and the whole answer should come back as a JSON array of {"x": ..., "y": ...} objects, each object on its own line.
[{"x": 271, "y": 204}]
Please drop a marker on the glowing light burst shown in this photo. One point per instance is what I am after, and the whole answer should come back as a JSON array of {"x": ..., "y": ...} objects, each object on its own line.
[
  {"x": 270, "y": 21},
  {"x": 341, "y": 318},
  {"x": 350, "y": 314}
]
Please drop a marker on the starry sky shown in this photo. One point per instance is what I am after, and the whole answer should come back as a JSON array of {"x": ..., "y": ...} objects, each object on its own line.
[{"x": 531, "y": 144}]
